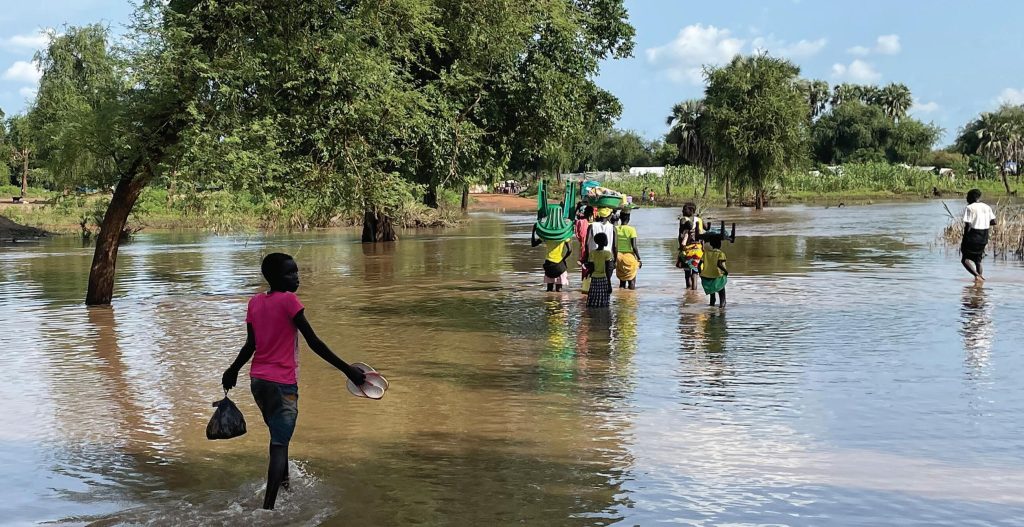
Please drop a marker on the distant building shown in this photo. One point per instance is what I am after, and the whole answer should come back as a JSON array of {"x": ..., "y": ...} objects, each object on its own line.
[{"x": 641, "y": 171}]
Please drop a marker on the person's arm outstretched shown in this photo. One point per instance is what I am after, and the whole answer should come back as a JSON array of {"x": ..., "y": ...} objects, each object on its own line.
[
  {"x": 230, "y": 377},
  {"x": 325, "y": 353}
]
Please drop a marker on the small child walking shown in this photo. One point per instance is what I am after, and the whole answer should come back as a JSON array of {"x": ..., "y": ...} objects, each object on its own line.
[
  {"x": 273, "y": 321},
  {"x": 713, "y": 274},
  {"x": 600, "y": 264}
]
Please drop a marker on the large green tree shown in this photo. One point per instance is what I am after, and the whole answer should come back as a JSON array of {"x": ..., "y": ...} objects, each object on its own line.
[
  {"x": 757, "y": 119},
  {"x": 997, "y": 136},
  {"x": 19, "y": 148},
  {"x": 857, "y": 132},
  {"x": 615, "y": 149},
  {"x": 357, "y": 105}
]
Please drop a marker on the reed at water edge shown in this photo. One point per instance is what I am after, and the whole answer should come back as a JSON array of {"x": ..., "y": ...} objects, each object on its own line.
[{"x": 1006, "y": 239}]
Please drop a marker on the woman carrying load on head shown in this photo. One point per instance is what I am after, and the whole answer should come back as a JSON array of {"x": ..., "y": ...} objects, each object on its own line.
[
  {"x": 628, "y": 262},
  {"x": 580, "y": 230},
  {"x": 691, "y": 248},
  {"x": 603, "y": 223},
  {"x": 556, "y": 273}
]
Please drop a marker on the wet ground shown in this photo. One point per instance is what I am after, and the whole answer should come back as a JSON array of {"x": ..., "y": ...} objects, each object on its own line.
[{"x": 856, "y": 378}]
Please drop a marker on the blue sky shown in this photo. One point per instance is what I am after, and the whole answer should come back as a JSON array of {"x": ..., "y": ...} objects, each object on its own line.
[{"x": 959, "y": 58}]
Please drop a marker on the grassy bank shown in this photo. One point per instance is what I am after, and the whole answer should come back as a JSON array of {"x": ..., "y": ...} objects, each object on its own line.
[
  {"x": 857, "y": 183},
  {"x": 219, "y": 211}
]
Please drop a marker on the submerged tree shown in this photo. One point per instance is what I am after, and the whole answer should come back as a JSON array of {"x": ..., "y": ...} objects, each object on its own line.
[{"x": 757, "y": 119}]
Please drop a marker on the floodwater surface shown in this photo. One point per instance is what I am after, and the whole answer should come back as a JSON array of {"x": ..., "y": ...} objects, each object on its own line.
[{"x": 856, "y": 378}]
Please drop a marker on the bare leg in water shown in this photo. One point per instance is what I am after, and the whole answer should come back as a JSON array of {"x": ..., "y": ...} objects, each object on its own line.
[
  {"x": 975, "y": 270},
  {"x": 721, "y": 295},
  {"x": 277, "y": 473}
]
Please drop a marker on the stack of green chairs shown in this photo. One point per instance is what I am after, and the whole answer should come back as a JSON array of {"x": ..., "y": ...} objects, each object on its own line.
[{"x": 555, "y": 222}]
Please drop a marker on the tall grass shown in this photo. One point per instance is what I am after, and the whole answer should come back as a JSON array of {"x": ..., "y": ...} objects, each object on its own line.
[{"x": 1006, "y": 239}]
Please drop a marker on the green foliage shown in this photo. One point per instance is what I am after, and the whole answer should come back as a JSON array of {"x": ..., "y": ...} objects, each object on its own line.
[
  {"x": 858, "y": 132},
  {"x": 945, "y": 159},
  {"x": 334, "y": 109},
  {"x": 757, "y": 119},
  {"x": 617, "y": 150},
  {"x": 872, "y": 176},
  {"x": 80, "y": 123}
]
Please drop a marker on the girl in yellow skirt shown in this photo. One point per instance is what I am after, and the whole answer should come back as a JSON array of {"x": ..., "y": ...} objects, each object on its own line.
[
  {"x": 713, "y": 274},
  {"x": 628, "y": 262}
]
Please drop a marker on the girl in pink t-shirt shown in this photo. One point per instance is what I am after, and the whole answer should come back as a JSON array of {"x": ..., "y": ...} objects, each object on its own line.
[{"x": 273, "y": 322}]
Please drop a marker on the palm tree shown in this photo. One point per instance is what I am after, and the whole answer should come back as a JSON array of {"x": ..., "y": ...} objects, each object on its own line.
[
  {"x": 999, "y": 141},
  {"x": 846, "y": 92},
  {"x": 895, "y": 99},
  {"x": 687, "y": 122},
  {"x": 817, "y": 94}
]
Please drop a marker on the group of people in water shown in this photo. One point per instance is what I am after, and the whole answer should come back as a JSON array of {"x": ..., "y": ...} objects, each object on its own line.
[{"x": 609, "y": 246}]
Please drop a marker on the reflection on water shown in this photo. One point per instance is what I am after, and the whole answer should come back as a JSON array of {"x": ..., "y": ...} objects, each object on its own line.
[
  {"x": 856, "y": 378},
  {"x": 977, "y": 328}
]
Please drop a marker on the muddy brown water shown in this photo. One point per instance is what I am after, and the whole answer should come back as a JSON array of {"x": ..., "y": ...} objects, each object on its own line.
[{"x": 857, "y": 378}]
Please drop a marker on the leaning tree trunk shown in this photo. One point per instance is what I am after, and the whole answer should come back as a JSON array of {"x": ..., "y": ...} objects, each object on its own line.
[
  {"x": 759, "y": 199},
  {"x": 104, "y": 260},
  {"x": 465, "y": 197},
  {"x": 707, "y": 183}
]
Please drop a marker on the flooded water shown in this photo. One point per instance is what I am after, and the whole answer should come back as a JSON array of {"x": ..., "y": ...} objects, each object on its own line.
[{"x": 856, "y": 378}]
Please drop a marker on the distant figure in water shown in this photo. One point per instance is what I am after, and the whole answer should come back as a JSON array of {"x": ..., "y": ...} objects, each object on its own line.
[
  {"x": 628, "y": 262},
  {"x": 556, "y": 272},
  {"x": 978, "y": 221},
  {"x": 713, "y": 274},
  {"x": 600, "y": 264},
  {"x": 272, "y": 324}
]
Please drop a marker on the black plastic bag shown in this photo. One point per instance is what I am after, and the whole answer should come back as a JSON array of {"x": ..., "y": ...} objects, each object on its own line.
[{"x": 227, "y": 420}]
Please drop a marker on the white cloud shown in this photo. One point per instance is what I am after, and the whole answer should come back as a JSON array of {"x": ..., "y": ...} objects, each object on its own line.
[
  {"x": 27, "y": 92},
  {"x": 924, "y": 107},
  {"x": 31, "y": 41},
  {"x": 1011, "y": 96},
  {"x": 888, "y": 44},
  {"x": 697, "y": 45},
  {"x": 859, "y": 51},
  {"x": 800, "y": 49},
  {"x": 858, "y": 71},
  {"x": 23, "y": 71}
]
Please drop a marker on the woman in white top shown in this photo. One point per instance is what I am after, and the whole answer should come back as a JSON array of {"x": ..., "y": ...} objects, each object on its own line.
[
  {"x": 978, "y": 220},
  {"x": 603, "y": 224}
]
